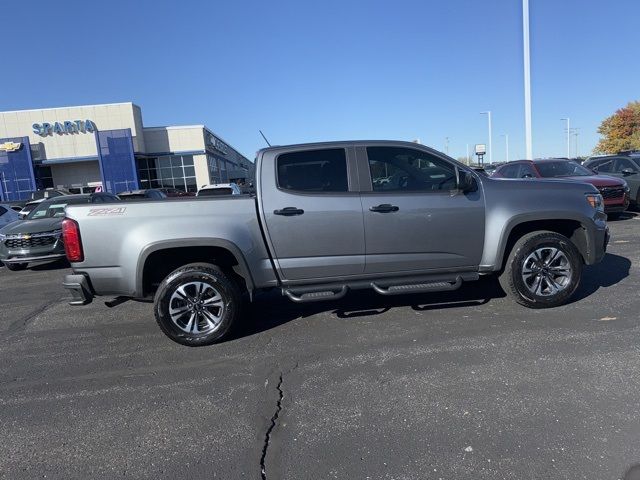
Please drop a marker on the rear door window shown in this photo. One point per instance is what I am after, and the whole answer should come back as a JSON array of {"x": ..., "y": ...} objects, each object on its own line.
[
  {"x": 526, "y": 171},
  {"x": 313, "y": 171},
  {"x": 624, "y": 163},
  {"x": 510, "y": 171}
]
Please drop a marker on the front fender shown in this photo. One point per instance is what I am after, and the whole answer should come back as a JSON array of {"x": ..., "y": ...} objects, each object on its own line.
[{"x": 498, "y": 233}]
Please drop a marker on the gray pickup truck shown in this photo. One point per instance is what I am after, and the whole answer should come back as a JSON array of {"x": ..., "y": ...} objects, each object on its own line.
[{"x": 394, "y": 217}]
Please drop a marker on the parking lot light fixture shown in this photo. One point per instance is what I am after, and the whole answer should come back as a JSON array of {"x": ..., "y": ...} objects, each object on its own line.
[
  {"x": 488, "y": 114},
  {"x": 527, "y": 80},
  {"x": 506, "y": 145},
  {"x": 568, "y": 120}
]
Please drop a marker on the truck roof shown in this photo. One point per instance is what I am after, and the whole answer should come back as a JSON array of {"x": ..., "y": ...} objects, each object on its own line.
[{"x": 343, "y": 143}]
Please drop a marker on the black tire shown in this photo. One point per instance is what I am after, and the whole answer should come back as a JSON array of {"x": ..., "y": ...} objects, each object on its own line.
[
  {"x": 16, "y": 267},
  {"x": 514, "y": 284},
  {"x": 179, "y": 328}
]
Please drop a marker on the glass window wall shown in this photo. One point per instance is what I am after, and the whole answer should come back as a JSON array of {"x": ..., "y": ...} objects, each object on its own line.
[{"x": 171, "y": 171}]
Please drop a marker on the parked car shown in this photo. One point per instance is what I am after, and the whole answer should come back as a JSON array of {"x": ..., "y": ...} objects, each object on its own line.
[
  {"x": 7, "y": 214},
  {"x": 614, "y": 191},
  {"x": 625, "y": 166},
  {"x": 38, "y": 196},
  {"x": 217, "y": 189},
  {"x": 28, "y": 207},
  {"x": 91, "y": 187},
  {"x": 481, "y": 170},
  {"x": 37, "y": 238},
  {"x": 320, "y": 225},
  {"x": 148, "y": 194},
  {"x": 176, "y": 192}
]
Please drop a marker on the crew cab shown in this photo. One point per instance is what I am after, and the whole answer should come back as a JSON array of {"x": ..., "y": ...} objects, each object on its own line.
[{"x": 328, "y": 218}]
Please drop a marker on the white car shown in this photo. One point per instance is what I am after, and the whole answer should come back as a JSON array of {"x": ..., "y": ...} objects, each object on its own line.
[
  {"x": 217, "y": 189},
  {"x": 7, "y": 214}
]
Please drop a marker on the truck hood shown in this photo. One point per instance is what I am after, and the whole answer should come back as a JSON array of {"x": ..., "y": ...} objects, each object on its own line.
[
  {"x": 32, "y": 226},
  {"x": 595, "y": 180}
]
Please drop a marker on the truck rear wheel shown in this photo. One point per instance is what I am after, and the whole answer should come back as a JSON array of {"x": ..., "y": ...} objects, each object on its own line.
[
  {"x": 197, "y": 304},
  {"x": 543, "y": 270}
]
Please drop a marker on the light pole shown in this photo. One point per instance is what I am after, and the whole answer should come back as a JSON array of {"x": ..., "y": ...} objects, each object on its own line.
[
  {"x": 568, "y": 136},
  {"x": 576, "y": 132},
  {"x": 488, "y": 114},
  {"x": 527, "y": 80},
  {"x": 468, "y": 159},
  {"x": 446, "y": 145},
  {"x": 506, "y": 145}
]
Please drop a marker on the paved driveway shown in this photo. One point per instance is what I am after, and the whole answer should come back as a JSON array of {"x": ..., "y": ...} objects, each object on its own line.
[{"x": 463, "y": 385}]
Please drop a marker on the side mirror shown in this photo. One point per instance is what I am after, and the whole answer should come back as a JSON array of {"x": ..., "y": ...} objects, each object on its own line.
[
  {"x": 627, "y": 171},
  {"x": 466, "y": 182}
]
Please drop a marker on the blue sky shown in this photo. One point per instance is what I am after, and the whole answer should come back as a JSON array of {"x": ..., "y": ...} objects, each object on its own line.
[{"x": 310, "y": 71}]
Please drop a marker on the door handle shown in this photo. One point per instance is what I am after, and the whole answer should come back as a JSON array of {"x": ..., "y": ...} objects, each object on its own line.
[
  {"x": 384, "y": 208},
  {"x": 289, "y": 211}
]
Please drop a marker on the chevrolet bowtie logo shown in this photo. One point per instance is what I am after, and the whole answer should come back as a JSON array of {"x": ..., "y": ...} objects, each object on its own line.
[
  {"x": 10, "y": 146},
  {"x": 26, "y": 237}
]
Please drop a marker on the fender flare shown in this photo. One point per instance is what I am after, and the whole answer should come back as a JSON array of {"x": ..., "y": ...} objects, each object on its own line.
[
  {"x": 538, "y": 217},
  {"x": 241, "y": 269}
]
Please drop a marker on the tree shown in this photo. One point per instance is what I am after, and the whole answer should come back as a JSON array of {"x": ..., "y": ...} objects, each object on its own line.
[{"x": 620, "y": 131}]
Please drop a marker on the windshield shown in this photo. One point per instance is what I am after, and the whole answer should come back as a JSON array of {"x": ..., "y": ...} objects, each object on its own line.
[
  {"x": 53, "y": 208},
  {"x": 562, "y": 169}
]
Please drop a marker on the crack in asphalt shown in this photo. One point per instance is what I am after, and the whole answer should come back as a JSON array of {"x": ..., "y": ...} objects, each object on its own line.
[
  {"x": 22, "y": 322},
  {"x": 267, "y": 437},
  {"x": 274, "y": 421}
]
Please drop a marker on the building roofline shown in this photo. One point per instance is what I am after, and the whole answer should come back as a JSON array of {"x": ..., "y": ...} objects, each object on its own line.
[
  {"x": 174, "y": 127},
  {"x": 72, "y": 106},
  {"x": 207, "y": 129}
]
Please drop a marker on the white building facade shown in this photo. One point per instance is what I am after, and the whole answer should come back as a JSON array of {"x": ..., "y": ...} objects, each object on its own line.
[{"x": 109, "y": 145}]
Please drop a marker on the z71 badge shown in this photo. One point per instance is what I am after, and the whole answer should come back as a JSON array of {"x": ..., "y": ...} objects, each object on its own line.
[{"x": 101, "y": 212}]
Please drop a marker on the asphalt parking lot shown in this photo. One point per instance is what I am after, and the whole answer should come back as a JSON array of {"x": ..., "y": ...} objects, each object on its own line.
[{"x": 463, "y": 385}]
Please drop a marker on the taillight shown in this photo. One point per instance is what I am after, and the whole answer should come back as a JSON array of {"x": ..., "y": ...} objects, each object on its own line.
[{"x": 71, "y": 239}]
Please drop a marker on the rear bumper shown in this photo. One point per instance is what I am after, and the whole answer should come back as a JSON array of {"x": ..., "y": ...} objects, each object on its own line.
[{"x": 80, "y": 289}]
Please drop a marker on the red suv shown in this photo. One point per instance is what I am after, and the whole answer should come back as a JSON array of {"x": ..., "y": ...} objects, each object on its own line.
[{"x": 614, "y": 191}]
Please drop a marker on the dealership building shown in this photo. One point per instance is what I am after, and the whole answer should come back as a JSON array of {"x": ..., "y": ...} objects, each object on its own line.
[{"x": 109, "y": 145}]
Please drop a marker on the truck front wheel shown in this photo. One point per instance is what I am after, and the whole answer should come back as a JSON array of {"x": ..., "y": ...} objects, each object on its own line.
[
  {"x": 543, "y": 270},
  {"x": 197, "y": 304}
]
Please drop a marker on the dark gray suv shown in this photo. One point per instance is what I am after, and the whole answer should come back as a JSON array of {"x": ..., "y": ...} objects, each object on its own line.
[
  {"x": 624, "y": 165},
  {"x": 38, "y": 238}
]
